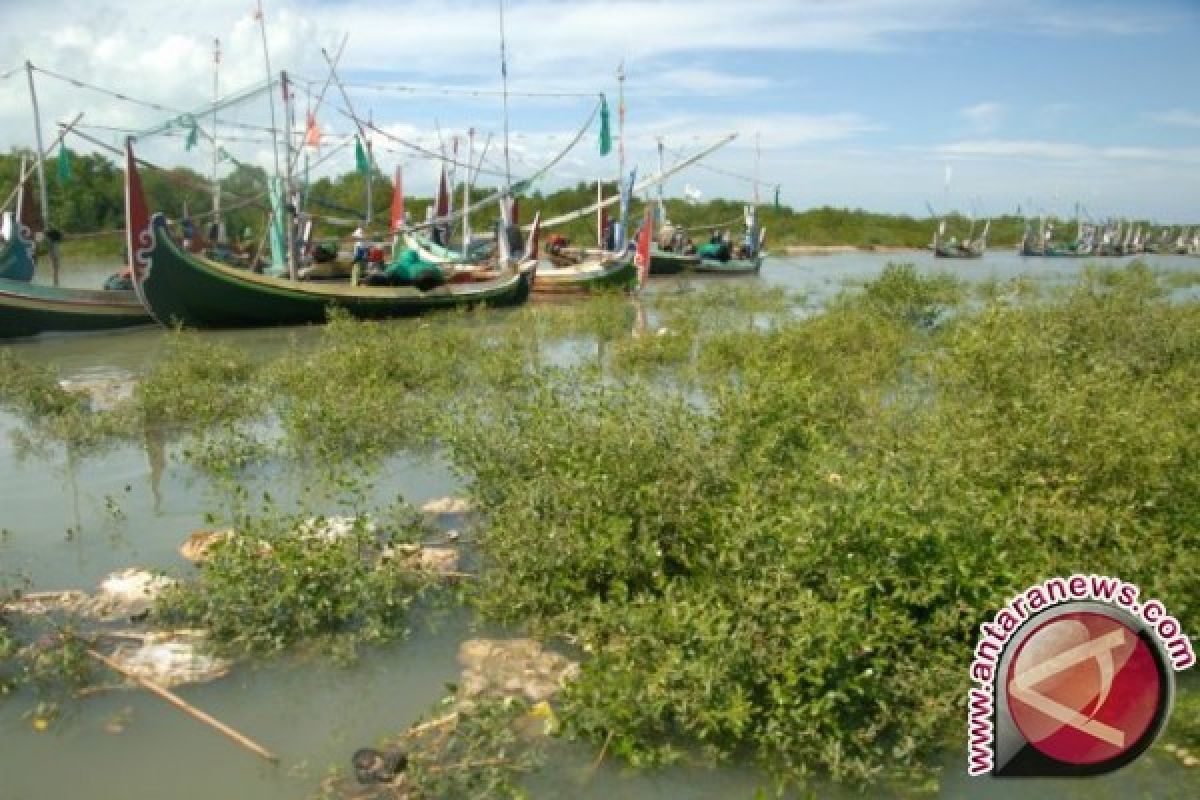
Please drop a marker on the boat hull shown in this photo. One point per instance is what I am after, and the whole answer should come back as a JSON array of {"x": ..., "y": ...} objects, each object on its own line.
[
  {"x": 734, "y": 266},
  {"x": 182, "y": 288},
  {"x": 663, "y": 262},
  {"x": 619, "y": 273},
  {"x": 27, "y": 309}
]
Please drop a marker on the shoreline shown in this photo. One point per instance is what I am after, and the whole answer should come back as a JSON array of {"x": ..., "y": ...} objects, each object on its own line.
[{"x": 839, "y": 249}]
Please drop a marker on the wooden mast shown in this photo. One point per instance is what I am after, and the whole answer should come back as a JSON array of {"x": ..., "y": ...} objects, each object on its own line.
[
  {"x": 216, "y": 182},
  {"x": 51, "y": 245}
]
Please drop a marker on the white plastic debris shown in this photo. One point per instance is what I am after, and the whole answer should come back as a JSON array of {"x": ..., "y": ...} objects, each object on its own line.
[
  {"x": 448, "y": 505},
  {"x": 512, "y": 668},
  {"x": 104, "y": 394},
  {"x": 129, "y": 593},
  {"x": 170, "y": 659}
]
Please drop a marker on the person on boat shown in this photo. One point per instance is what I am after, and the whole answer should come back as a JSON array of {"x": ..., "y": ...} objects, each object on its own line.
[
  {"x": 407, "y": 270},
  {"x": 361, "y": 248},
  {"x": 119, "y": 281}
]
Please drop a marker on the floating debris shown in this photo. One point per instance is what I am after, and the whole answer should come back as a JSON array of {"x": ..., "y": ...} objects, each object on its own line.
[
  {"x": 171, "y": 658},
  {"x": 331, "y": 529},
  {"x": 36, "y": 603},
  {"x": 103, "y": 394},
  {"x": 512, "y": 668},
  {"x": 373, "y": 766},
  {"x": 448, "y": 505},
  {"x": 126, "y": 594},
  {"x": 195, "y": 548}
]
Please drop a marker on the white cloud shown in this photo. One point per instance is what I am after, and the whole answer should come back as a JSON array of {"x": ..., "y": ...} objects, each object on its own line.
[
  {"x": 983, "y": 117},
  {"x": 1063, "y": 151},
  {"x": 1177, "y": 116}
]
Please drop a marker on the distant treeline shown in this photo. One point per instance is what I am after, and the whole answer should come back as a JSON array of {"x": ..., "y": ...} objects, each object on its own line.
[{"x": 88, "y": 207}]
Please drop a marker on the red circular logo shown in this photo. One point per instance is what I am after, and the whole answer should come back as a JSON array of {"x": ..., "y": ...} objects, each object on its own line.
[{"x": 1083, "y": 688}]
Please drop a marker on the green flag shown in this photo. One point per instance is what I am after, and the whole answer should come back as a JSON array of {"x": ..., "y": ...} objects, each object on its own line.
[
  {"x": 64, "y": 163},
  {"x": 360, "y": 157},
  {"x": 193, "y": 134},
  {"x": 777, "y": 198},
  {"x": 605, "y": 130}
]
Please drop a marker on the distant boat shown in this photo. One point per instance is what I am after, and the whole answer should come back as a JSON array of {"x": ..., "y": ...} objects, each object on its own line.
[
  {"x": 719, "y": 256},
  {"x": 968, "y": 247},
  {"x": 176, "y": 286}
]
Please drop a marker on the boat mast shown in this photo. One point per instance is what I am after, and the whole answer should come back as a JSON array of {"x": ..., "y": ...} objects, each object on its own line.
[
  {"x": 262, "y": 26},
  {"x": 51, "y": 246},
  {"x": 216, "y": 183},
  {"x": 662, "y": 208},
  {"x": 757, "y": 164},
  {"x": 620, "y": 124},
  {"x": 466, "y": 228},
  {"x": 504, "y": 82}
]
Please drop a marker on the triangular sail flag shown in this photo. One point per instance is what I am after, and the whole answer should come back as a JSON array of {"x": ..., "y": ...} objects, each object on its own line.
[
  {"x": 626, "y": 199},
  {"x": 442, "y": 201},
  {"x": 64, "y": 163},
  {"x": 641, "y": 258},
  {"x": 312, "y": 132},
  {"x": 605, "y": 128},
  {"x": 360, "y": 157},
  {"x": 138, "y": 240},
  {"x": 397, "y": 202}
]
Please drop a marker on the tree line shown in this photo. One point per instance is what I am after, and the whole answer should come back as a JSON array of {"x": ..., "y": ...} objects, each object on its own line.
[{"x": 87, "y": 206}]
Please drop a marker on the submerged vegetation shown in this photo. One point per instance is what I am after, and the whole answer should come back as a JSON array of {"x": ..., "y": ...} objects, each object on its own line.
[{"x": 773, "y": 534}]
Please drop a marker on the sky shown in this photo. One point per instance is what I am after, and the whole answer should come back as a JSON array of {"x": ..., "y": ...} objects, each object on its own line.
[{"x": 979, "y": 106}]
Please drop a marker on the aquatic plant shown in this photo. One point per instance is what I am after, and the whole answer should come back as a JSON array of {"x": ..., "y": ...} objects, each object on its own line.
[
  {"x": 750, "y": 573},
  {"x": 283, "y": 579}
]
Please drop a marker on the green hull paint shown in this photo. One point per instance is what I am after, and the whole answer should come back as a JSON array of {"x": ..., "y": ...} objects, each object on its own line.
[
  {"x": 27, "y": 309},
  {"x": 734, "y": 266},
  {"x": 664, "y": 262},
  {"x": 183, "y": 288}
]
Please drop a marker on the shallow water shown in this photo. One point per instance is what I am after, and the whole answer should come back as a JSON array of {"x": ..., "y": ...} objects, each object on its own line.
[{"x": 62, "y": 534}]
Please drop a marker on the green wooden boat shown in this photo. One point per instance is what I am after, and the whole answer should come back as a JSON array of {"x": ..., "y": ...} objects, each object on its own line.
[
  {"x": 28, "y": 308},
  {"x": 667, "y": 262},
  {"x": 734, "y": 266},
  {"x": 178, "y": 287},
  {"x": 596, "y": 270}
]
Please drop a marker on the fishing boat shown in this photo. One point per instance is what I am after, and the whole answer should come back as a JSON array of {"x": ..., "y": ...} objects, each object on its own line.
[
  {"x": 591, "y": 270},
  {"x": 178, "y": 287},
  {"x": 968, "y": 247},
  {"x": 28, "y": 308},
  {"x": 720, "y": 257}
]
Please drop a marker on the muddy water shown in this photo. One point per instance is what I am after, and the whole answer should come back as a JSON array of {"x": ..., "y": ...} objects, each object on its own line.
[{"x": 64, "y": 531}]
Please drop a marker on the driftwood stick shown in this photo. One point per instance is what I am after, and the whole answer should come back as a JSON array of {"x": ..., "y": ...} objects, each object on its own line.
[
  {"x": 187, "y": 708},
  {"x": 433, "y": 723}
]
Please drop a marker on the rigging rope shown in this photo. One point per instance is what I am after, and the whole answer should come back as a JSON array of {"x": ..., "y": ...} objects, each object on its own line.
[{"x": 206, "y": 111}]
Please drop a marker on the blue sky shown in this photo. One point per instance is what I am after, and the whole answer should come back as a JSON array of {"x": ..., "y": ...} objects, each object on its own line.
[{"x": 862, "y": 103}]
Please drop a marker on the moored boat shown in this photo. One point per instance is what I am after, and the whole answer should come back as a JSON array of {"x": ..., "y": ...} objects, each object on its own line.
[
  {"x": 27, "y": 308},
  {"x": 178, "y": 287}
]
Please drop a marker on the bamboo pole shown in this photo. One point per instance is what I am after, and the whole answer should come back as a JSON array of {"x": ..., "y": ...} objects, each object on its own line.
[
  {"x": 51, "y": 245},
  {"x": 187, "y": 708}
]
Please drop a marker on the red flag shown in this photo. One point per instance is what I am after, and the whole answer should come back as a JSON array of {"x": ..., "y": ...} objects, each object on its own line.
[
  {"x": 442, "y": 204},
  {"x": 514, "y": 211},
  {"x": 312, "y": 133},
  {"x": 138, "y": 238},
  {"x": 397, "y": 202},
  {"x": 642, "y": 258}
]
